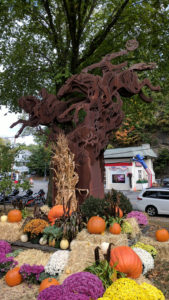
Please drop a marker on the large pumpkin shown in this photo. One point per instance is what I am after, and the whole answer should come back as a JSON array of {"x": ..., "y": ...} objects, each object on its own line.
[
  {"x": 96, "y": 225},
  {"x": 162, "y": 235},
  {"x": 14, "y": 215},
  {"x": 115, "y": 228},
  {"x": 56, "y": 212},
  {"x": 13, "y": 277},
  {"x": 127, "y": 261},
  {"x": 47, "y": 283}
]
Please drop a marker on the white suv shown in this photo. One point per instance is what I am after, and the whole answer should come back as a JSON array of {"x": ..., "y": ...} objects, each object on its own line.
[{"x": 154, "y": 201}]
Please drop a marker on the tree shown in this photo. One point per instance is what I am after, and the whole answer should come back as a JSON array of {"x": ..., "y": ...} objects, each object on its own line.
[
  {"x": 39, "y": 161},
  {"x": 43, "y": 42}
]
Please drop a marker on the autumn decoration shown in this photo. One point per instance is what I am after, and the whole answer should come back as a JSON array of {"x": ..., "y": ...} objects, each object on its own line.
[
  {"x": 126, "y": 260},
  {"x": 47, "y": 283},
  {"x": 13, "y": 277},
  {"x": 96, "y": 225},
  {"x": 35, "y": 227},
  {"x": 14, "y": 215},
  {"x": 162, "y": 235},
  {"x": 115, "y": 228}
]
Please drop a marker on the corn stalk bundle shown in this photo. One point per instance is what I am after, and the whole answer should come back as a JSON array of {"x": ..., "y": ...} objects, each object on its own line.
[{"x": 65, "y": 177}]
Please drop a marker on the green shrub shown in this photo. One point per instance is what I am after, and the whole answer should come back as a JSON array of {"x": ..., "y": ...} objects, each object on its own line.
[
  {"x": 93, "y": 207},
  {"x": 118, "y": 198}
]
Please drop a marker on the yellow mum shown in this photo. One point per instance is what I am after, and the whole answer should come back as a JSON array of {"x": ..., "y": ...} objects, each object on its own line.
[
  {"x": 128, "y": 289},
  {"x": 153, "y": 292}
]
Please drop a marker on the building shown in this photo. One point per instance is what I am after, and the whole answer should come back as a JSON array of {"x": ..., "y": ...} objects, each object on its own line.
[
  {"x": 122, "y": 173},
  {"x": 21, "y": 161}
]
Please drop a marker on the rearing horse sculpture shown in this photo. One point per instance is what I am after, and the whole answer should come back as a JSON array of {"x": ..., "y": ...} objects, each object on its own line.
[{"x": 88, "y": 108}]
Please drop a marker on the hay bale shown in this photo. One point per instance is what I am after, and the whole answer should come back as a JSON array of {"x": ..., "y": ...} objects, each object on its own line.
[
  {"x": 82, "y": 250},
  {"x": 10, "y": 231},
  {"x": 22, "y": 291},
  {"x": 97, "y": 239},
  {"x": 142, "y": 279},
  {"x": 33, "y": 257},
  {"x": 162, "y": 247}
]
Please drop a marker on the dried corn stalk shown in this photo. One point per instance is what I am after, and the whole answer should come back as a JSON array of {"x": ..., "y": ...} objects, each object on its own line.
[{"x": 65, "y": 177}]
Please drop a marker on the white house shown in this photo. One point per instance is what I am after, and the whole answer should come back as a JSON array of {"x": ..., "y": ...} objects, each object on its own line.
[
  {"x": 122, "y": 173},
  {"x": 20, "y": 162}
]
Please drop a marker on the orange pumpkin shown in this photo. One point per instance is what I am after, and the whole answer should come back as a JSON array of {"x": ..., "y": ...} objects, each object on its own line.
[
  {"x": 115, "y": 228},
  {"x": 47, "y": 283},
  {"x": 96, "y": 225},
  {"x": 162, "y": 235},
  {"x": 119, "y": 212},
  {"x": 127, "y": 261},
  {"x": 56, "y": 212},
  {"x": 14, "y": 215},
  {"x": 13, "y": 277}
]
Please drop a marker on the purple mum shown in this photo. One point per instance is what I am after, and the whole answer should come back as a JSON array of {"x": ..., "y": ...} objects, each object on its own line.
[
  {"x": 140, "y": 217},
  {"x": 78, "y": 286},
  {"x": 31, "y": 273},
  {"x": 5, "y": 247}
]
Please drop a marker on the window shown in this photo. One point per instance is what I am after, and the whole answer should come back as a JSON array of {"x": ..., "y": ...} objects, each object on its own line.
[
  {"x": 139, "y": 174},
  {"x": 118, "y": 178},
  {"x": 150, "y": 194},
  {"x": 163, "y": 195}
]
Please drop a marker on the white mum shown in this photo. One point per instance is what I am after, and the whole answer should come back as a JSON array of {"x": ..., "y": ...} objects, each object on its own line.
[
  {"x": 146, "y": 258},
  {"x": 57, "y": 262}
]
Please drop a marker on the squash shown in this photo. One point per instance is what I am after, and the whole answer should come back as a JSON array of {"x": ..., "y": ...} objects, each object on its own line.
[
  {"x": 47, "y": 283},
  {"x": 24, "y": 238},
  {"x": 42, "y": 241},
  {"x": 4, "y": 218},
  {"x": 125, "y": 260},
  {"x": 119, "y": 212},
  {"x": 64, "y": 244},
  {"x": 52, "y": 243},
  {"x": 14, "y": 215},
  {"x": 13, "y": 277},
  {"x": 115, "y": 228},
  {"x": 96, "y": 225},
  {"x": 162, "y": 235}
]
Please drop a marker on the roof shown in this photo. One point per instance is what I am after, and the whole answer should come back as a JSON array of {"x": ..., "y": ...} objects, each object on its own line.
[{"x": 143, "y": 150}]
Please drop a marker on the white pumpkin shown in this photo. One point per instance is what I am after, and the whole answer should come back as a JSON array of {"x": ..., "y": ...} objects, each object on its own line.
[
  {"x": 24, "y": 238},
  {"x": 64, "y": 244},
  {"x": 4, "y": 218},
  {"x": 42, "y": 241},
  {"x": 104, "y": 247}
]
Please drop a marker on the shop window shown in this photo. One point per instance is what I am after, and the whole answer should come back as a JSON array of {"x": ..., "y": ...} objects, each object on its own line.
[{"x": 118, "y": 178}]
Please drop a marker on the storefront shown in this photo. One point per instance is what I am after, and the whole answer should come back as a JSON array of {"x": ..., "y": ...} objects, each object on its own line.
[{"x": 122, "y": 173}]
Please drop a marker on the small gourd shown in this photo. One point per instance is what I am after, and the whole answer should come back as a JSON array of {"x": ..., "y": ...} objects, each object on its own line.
[
  {"x": 24, "y": 238},
  {"x": 4, "y": 218},
  {"x": 64, "y": 244},
  {"x": 52, "y": 243},
  {"x": 42, "y": 241}
]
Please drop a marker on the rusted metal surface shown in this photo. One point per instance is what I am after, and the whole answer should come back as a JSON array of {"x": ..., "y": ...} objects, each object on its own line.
[{"x": 98, "y": 99}]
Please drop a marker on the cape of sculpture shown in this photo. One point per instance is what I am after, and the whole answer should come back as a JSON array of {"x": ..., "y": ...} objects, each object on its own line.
[{"x": 87, "y": 109}]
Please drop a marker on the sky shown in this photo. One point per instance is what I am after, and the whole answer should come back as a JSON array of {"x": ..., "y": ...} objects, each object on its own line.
[{"x": 6, "y": 119}]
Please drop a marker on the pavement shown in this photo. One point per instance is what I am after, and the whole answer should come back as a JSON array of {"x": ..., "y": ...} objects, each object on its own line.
[{"x": 42, "y": 183}]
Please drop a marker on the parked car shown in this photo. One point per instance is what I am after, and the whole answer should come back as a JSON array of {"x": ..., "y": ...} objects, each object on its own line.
[
  {"x": 154, "y": 201},
  {"x": 166, "y": 181}
]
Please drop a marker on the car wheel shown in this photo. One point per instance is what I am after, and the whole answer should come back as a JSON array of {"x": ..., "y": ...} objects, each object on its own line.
[{"x": 151, "y": 210}]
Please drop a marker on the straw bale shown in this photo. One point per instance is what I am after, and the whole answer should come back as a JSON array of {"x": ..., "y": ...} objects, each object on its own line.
[
  {"x": 142, "y": 279},
  {"x": 136, "y": 232},
  {"x": 82, "y": 250},
  {"x": 117, "y": 240},
  {"x": 22, "y": 291},
  {"x": 10, "y": 231},
  {"x": 33, "y": 257},
  {"x": 162, "y": 247}
]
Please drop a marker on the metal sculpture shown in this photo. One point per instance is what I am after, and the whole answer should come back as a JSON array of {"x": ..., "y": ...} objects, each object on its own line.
[{"x": 87, "y": 109}]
